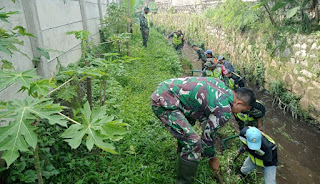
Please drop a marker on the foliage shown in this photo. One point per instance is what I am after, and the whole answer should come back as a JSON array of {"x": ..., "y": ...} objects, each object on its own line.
[
  {"x": 19, "y": 134},
  {"x": 24, "y": 116},
  {"x": 96, "y": 127},
  {"x": 284, "y": 16},
  {"x": 25, "y": 78},
  {"x": 115, "y": 21},
  {"x": 287, "y": 100},
  {"x": 236, "y": 14}
]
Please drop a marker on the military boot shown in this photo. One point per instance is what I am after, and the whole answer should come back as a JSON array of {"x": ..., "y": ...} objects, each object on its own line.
[{"x": 186, "y": 171}]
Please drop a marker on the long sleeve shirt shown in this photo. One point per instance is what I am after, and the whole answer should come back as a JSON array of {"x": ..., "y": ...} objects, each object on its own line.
[
  {"x": 197, "y": 97},
  {"x": 228, "y": 66},
  {"x": 144, "y": 22}
]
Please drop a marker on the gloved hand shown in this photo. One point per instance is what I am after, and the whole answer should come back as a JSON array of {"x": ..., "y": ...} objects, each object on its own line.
[
  {"x": 214, "y": 164},
  {"x": 242, "y": 149}
]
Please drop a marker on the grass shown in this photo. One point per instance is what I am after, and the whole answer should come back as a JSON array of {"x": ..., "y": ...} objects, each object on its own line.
[{"x": 148, "y": 153}]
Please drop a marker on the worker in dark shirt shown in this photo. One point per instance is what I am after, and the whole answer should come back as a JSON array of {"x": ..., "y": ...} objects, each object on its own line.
[
  {"x": 235, "y": 80},
  {"x": 262, "y": 152},
  {"x": 253, "y": 117}
]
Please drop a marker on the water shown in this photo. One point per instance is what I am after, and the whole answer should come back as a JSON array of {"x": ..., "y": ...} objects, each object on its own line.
[{"x": 298, "y": 142}]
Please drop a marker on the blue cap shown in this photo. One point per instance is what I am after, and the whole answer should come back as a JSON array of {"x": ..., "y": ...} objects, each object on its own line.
[
  {"x": 254, "y": 138},
  {"x": 208, "y": 52}
]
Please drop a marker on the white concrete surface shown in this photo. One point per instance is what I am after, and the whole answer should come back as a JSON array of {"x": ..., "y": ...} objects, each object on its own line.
[{"x": 49, "y": 20}]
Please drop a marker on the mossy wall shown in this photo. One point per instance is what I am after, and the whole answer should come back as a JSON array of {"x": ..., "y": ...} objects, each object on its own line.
[{"x": 293, "y": 59}]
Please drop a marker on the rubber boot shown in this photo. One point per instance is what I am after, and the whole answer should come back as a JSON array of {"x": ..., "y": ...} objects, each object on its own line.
[
  {"x": 186, "y": 171},
  {"x": 179, "y": 148}
]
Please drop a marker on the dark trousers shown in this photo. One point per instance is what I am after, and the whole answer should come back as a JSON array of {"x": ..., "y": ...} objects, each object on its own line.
[
  {"x": 178, "y": 47},
  {"x": 145, "y": 36}
]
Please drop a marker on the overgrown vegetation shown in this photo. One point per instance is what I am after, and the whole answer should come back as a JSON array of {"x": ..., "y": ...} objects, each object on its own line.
[
  {"x": 284, "y": 16},
  {"x": 286, "y": 100}
]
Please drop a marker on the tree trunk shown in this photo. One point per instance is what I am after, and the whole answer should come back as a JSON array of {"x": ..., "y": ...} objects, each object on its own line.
[
  {"x": 270, "y": 16},
  {"x": 128, "y": 24},
  {"x": 37, "y": 164},
  {"x": 103, "y": 97},
  {"x": 89, "y": 92}
]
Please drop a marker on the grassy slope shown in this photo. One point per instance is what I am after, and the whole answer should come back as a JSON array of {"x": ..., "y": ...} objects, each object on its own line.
[
  {"x": 152, "y": 157},
  {"x": 148, "y": 153}
]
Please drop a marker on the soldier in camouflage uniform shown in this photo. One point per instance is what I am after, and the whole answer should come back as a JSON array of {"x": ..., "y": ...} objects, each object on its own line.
[
  {"x": 201, "y": 56},
  {"x": 179, "y": 102},
  {"x": 253, "y": 117},
  {"x": 144, "y": 26}
]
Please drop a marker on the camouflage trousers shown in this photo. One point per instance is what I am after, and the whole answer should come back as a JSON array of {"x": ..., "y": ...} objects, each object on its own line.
[
  {"x": 180, "y": 128},
  {"x": 145, "y": 36}
]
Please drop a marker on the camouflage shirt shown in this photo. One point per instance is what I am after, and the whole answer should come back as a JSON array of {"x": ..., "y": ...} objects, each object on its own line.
[
  {"x": 144, "y": 23},
  {"x": 197, "y": 97},
  {"x": 201, "y": 55}
]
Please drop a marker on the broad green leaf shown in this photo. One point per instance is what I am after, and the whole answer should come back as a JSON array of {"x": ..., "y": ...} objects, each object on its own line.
[
  {"x": 7, "y": 44},
  {"x": 90, "y": 130},
  {"x": 25, "y": 78},
  {"x": 115, "y": 130},
  {"x": 68, "y": 93},
  {"x": 41, "y": 87},
  {"x": 292, "y": 12},
  {"x": 5, "y": 15},
  {"x": 6, "y": 65},
  {"x": 19, "y": 134},
  {"x": 43, "y": 53}
]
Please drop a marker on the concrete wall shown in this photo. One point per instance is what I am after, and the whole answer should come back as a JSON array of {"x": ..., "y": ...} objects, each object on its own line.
[
  {"x": 297, "y": 64},
  {"x": 49, "y": 20}
]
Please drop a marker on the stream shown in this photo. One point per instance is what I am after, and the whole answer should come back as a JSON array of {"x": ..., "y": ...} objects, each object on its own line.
[{"x": 298, "y": 142}]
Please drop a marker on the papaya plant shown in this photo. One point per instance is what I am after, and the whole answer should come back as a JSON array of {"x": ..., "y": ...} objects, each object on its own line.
[{"x": 23, "y": 117}]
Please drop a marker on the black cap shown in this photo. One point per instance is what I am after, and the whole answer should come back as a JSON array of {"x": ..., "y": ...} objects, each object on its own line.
[{"x": 146, "y": 8}]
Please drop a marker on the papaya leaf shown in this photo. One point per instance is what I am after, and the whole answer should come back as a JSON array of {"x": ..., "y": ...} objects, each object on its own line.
[
  {"x": 7, "y": 45},
  {"x": 6, "y": 64},
  {"x": 23, "y": 31},
  {"x": 25, "y": 78},
  {"x": 90, "y": 130},
  {"x": 68, "y": 93},
  {"x": 5, "y": 15},
  {"x": 115, "y": 129},
  {"x": 39, "y": 88},
  {"x": 19, "y": 134}
]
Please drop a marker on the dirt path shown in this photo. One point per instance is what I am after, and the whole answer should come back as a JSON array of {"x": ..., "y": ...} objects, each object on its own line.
[
  {"x": 190, "y": 54},
  {"x": 298, "y": 142}
]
